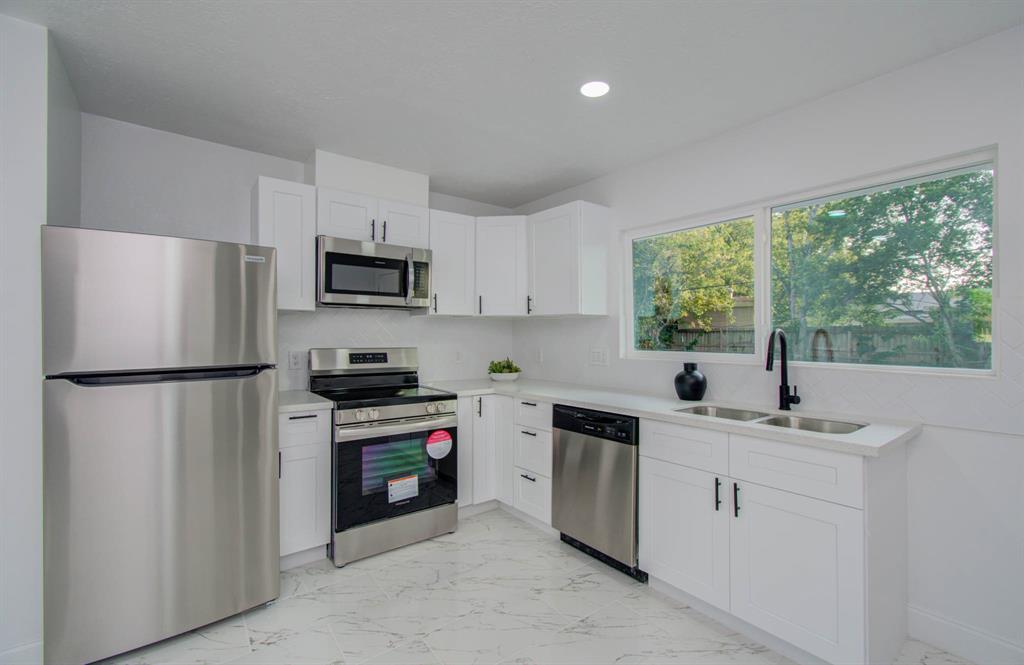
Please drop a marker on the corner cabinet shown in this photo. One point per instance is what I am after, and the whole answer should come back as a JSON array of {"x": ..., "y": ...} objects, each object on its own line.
[
  {"x": 453, "y": 266},
  {"x": 284, "y": 217},
  {"x": 804, "y": 543},
  {"x": 304, "y": 472},
  {"x": 365, "y": 218},
  {"x": 568, "y": 259},
  {"x": 501, "y": 266}
]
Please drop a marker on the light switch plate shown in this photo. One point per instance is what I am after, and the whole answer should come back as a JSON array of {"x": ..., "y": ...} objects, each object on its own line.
[
  {"x": 599, "y": 356},
  {"x": 296, "y": 359}
]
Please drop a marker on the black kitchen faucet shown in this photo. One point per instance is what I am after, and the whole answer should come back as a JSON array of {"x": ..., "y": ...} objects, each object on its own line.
[{"x": 785, "y": 398}]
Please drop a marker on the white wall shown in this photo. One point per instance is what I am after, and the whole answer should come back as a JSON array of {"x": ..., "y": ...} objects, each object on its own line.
[
  {"x": 463, "y": 206},
  {"x": 23, "y": 55},
  {"x": 356, "y": 175},
  {"x": 965, "y": 494},
  {"x": 63, "y": 145},
  {"x": 139, "y": 179}
]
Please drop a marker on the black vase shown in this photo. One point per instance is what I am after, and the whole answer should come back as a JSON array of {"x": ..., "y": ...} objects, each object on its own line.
[{"x": 690, "y": 383}]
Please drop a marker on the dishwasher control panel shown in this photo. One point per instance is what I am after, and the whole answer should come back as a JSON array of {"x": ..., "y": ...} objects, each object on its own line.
[{"x": 595, "y": 423}]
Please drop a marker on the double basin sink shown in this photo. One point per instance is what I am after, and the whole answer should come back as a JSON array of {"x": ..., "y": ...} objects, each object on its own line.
[{"x": 790, "y": 422}]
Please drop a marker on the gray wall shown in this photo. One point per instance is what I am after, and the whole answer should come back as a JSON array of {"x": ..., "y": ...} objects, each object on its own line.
[{"x": 63, "y": 145}]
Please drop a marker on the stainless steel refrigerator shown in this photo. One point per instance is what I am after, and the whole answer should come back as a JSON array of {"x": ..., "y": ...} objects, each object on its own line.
[{"x": 159, "y": 437}]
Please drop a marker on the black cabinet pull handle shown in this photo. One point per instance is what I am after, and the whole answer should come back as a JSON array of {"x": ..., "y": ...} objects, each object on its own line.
[
  {"x": 481, "y": 304},
  {"x": 279, "y": 465},
  {"x": 435, "y": 303},
  {"x": 523, "y": 475},
  {"x": 523, "y": 431},
  {"x": 735, "y": 500},
  {"x": 384, "y": 236},
  {"x": 529, "y": 304},
  {"x": 480, "y": 407},
  {"x": 528, "y": 403},
  {"x": 306, "y": 417},
  {"x": 718, "y": 498},
  {"x": 373, "y": 229}
]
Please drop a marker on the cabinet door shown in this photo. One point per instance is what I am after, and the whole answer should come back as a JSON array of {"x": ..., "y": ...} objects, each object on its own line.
[
  {"x": 554, "y": 261},
  {"x": 346, "y": 215},
  {"x": 305, "y": 497},
  {"x": 453, "y": 267},
  {"x": 484, "y": 459},
  {"x": 501, "y": 265},
  {"x": 467, "y": 417},
  {"x": 284, "y": 217},
  {"x": 684, "y": 531},
  {"x": 504, "y": 410},
  {"x": 403, "y": 224},
  {"x": 798, "y": 571},
  {"x": 533, "y": 494}
]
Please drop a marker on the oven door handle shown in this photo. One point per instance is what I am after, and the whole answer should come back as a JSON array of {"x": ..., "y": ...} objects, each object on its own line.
[{"x": 360, "y": 432}]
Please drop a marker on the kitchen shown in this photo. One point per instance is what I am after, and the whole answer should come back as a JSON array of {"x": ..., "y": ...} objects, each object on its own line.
[{"x": 100, "y": 157}]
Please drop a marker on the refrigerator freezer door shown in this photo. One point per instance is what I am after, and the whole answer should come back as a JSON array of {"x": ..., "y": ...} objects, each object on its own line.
[
  {"x": 115, "y": 302},
  {"x": 161, "y": 509}
]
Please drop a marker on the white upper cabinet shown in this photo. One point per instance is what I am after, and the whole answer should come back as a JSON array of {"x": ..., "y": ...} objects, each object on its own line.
[
  {"x": 284, "y": 217},
  {"x": 369, "y": 219},
  {"x": 403, "y": 224},
  {"x": 345, "y": 215},
  {"x": 568, "y": 257},
  {"x": 453, "y": 267},
  {"x": 501, "y": 265}
]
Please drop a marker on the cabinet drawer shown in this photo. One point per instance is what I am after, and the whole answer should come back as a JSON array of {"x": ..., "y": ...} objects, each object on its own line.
[
  {"x": 822, "y": 474},
  {"x": 533, "y": 494},
  {"x": 530, "y": 413},
  {"x": 690, "y": 446},
  {"x": 533, "y": 450},
  {"x": 300, "y": 428}
]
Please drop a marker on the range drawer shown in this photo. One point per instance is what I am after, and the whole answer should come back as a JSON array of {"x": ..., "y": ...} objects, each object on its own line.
[
  {"x": 694, "y": 447},
  {"x": 533, "y": 450},
  {"x": 822, "y": 474},
  {"x": 300, "y": 428},
  {"x": 533, "y": 494},
  {"x": 530, "y": 413}
]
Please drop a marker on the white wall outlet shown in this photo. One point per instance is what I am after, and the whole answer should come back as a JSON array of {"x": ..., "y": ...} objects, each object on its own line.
[
  {"x": 599, "y": 356},
  {"x": 296, "y": 360},
  {"x": 458, "y": 356},
  {"x": 540, "y": 356}
]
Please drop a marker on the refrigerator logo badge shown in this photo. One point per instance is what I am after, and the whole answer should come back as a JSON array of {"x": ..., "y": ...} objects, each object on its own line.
[{"x": 250, "y": 258}]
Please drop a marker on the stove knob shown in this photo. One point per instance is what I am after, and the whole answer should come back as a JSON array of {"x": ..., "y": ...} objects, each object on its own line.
[
  {"x": 431, "y": 407},
  {"x": 360, "y": 415},
  {"x": 374, "y": 414}
]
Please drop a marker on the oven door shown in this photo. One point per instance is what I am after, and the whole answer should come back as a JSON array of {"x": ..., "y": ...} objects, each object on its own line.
[
  {"x": 351, "y": 273},
  {"x": 383, "y": 471}
]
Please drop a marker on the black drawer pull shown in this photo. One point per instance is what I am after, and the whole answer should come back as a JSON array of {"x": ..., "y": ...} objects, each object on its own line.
[
  {"x": 735, "y": 500},
  {"x": 718, "y": 498},
  {"x": 307, "y": 417},
  {"x": 523, "y": 431},
  {"x": 523, "y": 475},
  {"x": 528, "y": 403}
]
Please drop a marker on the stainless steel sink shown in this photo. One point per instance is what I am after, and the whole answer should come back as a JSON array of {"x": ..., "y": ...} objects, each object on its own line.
[
  {"x": 722, "y": 412},
  {"x": 812, "y": 424}
]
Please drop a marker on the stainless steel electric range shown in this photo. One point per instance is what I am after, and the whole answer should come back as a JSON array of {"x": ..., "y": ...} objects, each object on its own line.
[{"x": 395, "y": 468}]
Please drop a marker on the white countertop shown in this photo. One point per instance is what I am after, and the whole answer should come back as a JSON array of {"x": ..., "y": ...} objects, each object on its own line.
[
  {"x": 868, "y": 441},
  {"x": 301, "y": 400}
]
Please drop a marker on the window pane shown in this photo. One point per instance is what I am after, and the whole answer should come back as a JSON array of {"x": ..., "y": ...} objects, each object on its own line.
[
  {"x": 896, "y": 275},
  {"x": 693, "y": 290}
]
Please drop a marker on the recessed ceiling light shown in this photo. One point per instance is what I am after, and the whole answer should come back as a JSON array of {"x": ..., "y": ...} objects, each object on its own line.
[
  {"x": 594, "y": 89},
  {"x": 837, "y": 213}
]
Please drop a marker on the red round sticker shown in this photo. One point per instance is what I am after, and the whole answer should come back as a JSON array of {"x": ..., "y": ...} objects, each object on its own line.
[{"x": 439, "y": 444}]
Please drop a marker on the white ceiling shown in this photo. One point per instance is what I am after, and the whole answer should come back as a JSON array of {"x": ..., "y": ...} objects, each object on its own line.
[{"x": 483, "y": 95}]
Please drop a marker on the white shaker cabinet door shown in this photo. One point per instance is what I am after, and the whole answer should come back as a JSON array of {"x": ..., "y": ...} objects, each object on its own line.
[
  {"x": 305, "y": 497},
  {"x": 798, "y": 570},
  {"x": 453, "y": 266},
  {"x": 346, "y": 215},
  {"x": 466, "y": 415},
  {"x": 403, "y": 224},
  {"x": 554, "y": 244},
  {"x": 501, "y": 279},
  {"x": 284, "y": 217},
  {"x": 485, "y": 464}
]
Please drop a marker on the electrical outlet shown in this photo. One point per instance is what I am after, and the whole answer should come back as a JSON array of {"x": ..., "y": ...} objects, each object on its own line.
[
  {"x": 296, "y": 360},
  {"x": 599, "y": 356},
  {"x": 458, "y": 356},
  {"x": 540, "y": 356}
]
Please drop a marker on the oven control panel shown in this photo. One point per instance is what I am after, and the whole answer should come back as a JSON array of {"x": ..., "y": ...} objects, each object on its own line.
[
  {"x": 393, "y": 412},
  {"x": 368, "y": 358}
]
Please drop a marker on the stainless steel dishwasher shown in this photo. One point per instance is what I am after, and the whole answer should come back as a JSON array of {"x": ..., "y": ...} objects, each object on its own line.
[{"x": 594, "y": 478}]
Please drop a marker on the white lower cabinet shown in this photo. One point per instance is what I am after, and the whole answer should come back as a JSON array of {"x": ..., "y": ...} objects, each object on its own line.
[
  {"x": 532, "y": 494},
  {"x": 798, "y": 570},
  {"x": 466, "y": 411},
  {"x": 485, "y": 477},
  {"x": 684, "y": 529},
  {"x": 304, "y": 486}
]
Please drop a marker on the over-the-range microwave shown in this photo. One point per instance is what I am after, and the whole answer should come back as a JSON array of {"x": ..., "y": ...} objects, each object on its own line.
[{"x": 353, "y": 273}]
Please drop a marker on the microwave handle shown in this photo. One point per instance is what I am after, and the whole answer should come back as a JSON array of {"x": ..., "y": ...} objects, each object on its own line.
[{"x": 410, "y": 278}]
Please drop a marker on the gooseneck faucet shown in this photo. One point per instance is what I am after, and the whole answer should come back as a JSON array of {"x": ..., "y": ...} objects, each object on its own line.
[{"x": 785, "y": 398}]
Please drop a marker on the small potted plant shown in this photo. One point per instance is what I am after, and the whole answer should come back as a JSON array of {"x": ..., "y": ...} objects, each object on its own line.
[{"x": 503, "y": 370}]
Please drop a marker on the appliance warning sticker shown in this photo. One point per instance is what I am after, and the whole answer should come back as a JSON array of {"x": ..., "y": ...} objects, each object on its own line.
[
  {"x": 439, "y": 444},
  {"x": 403, "y": 488}
]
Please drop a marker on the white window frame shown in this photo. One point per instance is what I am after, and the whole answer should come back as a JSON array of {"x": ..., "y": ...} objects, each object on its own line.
[{"x": 761, "y": 212}]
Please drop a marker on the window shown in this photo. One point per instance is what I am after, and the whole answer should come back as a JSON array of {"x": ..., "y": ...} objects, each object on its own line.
[
  {"x": 894, "y": 275},
  {"x": 693, "y": 289}
]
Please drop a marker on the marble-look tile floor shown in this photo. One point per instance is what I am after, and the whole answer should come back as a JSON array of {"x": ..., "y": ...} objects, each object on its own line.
[{"x": 496, "y": 591}]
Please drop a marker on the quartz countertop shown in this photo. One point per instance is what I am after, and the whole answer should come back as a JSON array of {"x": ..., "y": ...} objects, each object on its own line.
[
  {"x": 868, "y": 441},
  {"x": 301, "y": 400}
]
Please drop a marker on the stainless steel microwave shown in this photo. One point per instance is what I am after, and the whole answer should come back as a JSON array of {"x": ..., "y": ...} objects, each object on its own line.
[{"x": 352, "y": 273}]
